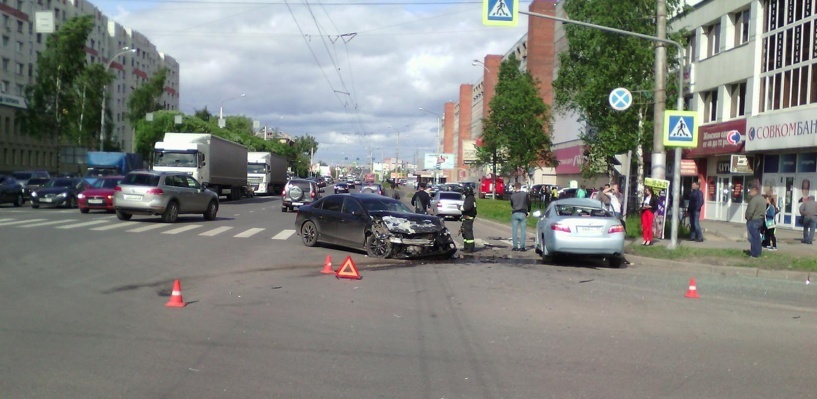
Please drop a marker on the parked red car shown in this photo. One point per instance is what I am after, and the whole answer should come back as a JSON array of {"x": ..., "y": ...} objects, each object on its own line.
[
  {"x": 99, "y": 195},
  {"x": 486, "y": 189}
]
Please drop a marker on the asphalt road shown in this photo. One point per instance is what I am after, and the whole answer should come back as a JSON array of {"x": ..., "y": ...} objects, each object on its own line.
[{"x": 83, "y": 316}]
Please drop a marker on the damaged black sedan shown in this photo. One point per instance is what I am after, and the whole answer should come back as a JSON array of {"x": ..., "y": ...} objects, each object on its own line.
[{"x": 382, "y": 226}]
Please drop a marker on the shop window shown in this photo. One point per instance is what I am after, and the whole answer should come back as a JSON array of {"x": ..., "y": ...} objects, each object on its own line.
[{"x": 738, "y": 189}]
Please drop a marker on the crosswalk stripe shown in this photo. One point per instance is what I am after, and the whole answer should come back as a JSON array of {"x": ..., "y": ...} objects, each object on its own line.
[
  {"x": 77, "y": 225},
  {"x": 48, "y": 223},
  {"x": 215, "y": 231},
  {"x": 147, "y": 228},
  {"x": 111, "y": 226},
  {"x": 20, "y": 222},
  {"x": 182, "y": 229},
  {"x": 249, "y": 233},
  {"x": 5, "y": 220},
  {"x": 283, "y": 235}
]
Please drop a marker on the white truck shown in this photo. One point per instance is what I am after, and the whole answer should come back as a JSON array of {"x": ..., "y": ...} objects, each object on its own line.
[
  {"x": 217, "y": 163},
  {"x": 266, "y": 172}
]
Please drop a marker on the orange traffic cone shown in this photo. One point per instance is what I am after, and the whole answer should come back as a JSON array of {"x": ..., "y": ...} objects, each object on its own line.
[
  {"x": 176, "y": 300},
  {"x": 692, "y": 292},
  {"x": 327, "y": 266}
]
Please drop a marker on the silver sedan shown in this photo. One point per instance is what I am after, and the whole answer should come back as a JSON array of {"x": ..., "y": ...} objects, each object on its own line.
[
  {"x": 579, "y": 226},
  {"x": 447, "y": 204}
]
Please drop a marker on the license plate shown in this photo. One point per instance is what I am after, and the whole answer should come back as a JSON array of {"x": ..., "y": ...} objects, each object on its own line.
[
  {"x": 589, "y": 230},
  {"x": 46, "y": 200},
  {"x": 297, "y": 203},
  {"x": 94, "y": 201},
  {"x": 132, "y": 197}
]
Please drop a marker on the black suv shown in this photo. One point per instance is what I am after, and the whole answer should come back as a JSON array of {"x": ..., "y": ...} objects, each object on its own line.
[{"x": 299, "y": 192}]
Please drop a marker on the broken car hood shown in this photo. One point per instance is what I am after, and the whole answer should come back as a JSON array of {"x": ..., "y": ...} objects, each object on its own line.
[{"x": 409, "y": 223}]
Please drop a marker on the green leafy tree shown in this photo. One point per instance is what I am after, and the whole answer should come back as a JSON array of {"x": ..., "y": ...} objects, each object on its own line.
[
  {"x": 517, "y": 132},
  {"x": 54, "y": 98},
  {"x": 597, "y": 62},
  {"x": 145, "y": 98},
  {"x": 203, "y": 114}
]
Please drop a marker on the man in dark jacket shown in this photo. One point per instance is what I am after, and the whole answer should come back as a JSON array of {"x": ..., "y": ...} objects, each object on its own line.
[
  {"x": 469, "y": 213},
  {"x": 421, "y": 200},
  {"x": 520, "y": 208},
  {"x": 696, "y": 201}
]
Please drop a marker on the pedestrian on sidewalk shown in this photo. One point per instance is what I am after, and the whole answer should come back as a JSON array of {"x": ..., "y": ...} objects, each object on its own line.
[
  {"x": 469, "y": 213},
  {"x": 648, "y": 207},
  {"x": 769, "y": 239},
  {"x": 421, "y": 200},
  {"x": 755, "y": 219},
  {"x": 520, "y": 208},
  {"x": 808, "y": 209},
  {"x": 696, "y": 202}
]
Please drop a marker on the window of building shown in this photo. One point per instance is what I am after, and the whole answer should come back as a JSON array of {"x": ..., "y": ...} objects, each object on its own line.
[
  {"x": 5, "y": 64},
  {"x": 19, "y": 68},
  {"x": 691, "y": 50},
  {"x": 741, "y": 21},
  {"x": 20, "y": 26},
  {"x": 737, "y": 93},
  {"x": 19, "y": 90},
  {"x": 788, "y": 55},
  {"x": 4, "y": 86},
  {"x": 39, "y": 38},
  {"x": 5, "y": 41},
  {"x": 710, "y": 100},
  {"x": 713, "y": 39},
  {"x": 19, "y": 47}
]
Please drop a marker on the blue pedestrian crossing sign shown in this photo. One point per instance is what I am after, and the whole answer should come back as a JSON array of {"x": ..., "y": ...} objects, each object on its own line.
[
  {"x": 500, "y": 12},
  {"x": 680, "y": 129}
]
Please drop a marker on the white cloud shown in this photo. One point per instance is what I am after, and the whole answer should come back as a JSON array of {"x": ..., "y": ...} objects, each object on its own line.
[{"x": 402, "y": 57}]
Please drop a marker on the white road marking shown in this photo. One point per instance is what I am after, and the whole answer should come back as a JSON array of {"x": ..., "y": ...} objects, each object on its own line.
[
  {"x": 5, "y": 220},
  {"x": 249, "y": 233},
  {"x": 284, "y": 234},
  {"x": 215, "y": 231},
  {"x": 182, "y": 229},
  {"x": 147, "y": 228},
  {"x": 112, "y": 226},
  {"x": 49, "y": 223},
  {"x": 77, "y": 225},
  {"x": 20, "y": 222}
]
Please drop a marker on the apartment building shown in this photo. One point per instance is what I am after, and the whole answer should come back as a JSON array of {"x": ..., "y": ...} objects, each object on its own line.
[{"x": 20, "y": 46}]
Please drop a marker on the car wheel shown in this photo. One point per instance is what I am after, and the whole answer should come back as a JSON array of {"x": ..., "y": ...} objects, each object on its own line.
[
  {"x": 212, "y": 209},
  {"x": 18, "y": 201},
  {"x": 123, "y": 215},
  {"x": 84, "y": 210},
  {"x": 171, "y": 212},
  {"x": 616, "y": 262},
  {"x": 283, "y": 209},
  {"x": 309, "y": 234},
  {"x": 547, "y": 257},
  {"x": 377, "y": 248}
]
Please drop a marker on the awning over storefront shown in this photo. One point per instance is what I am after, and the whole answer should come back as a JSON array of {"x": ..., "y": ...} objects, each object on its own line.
[
  {"x": 720, "y": 139},
  {"x": 570, "y": 160}
]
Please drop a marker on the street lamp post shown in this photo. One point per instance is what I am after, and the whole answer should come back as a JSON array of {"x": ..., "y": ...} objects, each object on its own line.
[
  {"x": 221, "y": 107},
  {"x": 439, "y": 140},
  {"x": 125, "y": 50},
  {"x": 397, "y": 149}
]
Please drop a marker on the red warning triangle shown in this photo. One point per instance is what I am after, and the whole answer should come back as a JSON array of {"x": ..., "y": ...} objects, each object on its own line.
[{"x": 348, "y": 270}]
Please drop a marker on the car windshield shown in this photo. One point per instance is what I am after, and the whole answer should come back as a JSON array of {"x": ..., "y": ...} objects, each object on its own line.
[
  {"x": 106, "y": 183},
  {"x": 582, "y": 211},
  {"x": 60, "y": 183},
  {"x": 21, "y": 175},
  {"x": 384, "y": 204},
  {"x": 174, "y": 159}
]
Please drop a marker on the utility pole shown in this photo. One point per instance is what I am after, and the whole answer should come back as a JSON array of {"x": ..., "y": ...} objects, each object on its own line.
[{"x": 659, "y": 156}]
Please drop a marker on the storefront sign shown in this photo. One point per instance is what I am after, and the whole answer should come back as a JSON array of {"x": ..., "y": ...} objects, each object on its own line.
[
  {"x": 793, "y": 129},
  {"x": 13, "y": 101},
  {"x": 720, "y": 139},
  {"x": 570, "y": 160},
  {"x": 689, "y": 167}
]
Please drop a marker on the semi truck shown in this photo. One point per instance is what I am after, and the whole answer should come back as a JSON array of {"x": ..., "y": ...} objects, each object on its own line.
[
  {"x": 266, "y": 172},
  {"x": 217, "y": 163},
  {"x": 101, "y": 164}
]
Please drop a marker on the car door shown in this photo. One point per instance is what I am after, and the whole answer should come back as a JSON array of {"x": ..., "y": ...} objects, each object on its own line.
[
  {"x": 199, "y": 199},
  {"x": 176, "y": 186},
  {"x": 327, "y": 219},
  {"x": 352, "y": 222}
]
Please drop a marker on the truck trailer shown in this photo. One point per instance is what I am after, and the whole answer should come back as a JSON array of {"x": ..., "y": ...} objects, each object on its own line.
[
  {"x": 101, "y": 164},
  {"x": 266, "y": 172},
  {"x": 217, "y": 163}
]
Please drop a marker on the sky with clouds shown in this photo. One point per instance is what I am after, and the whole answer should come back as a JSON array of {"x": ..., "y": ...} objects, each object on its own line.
[{"x": 350, "y": 73}]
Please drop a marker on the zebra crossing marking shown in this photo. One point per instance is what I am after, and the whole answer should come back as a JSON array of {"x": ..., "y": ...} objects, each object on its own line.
[
  {"x": 48, "y": 223},
  {"x": 182, "y": 229},
  {"x": 111, "y": 227},
  {"x": 249, "y": 233},
  {"x": 215, "y": 231},
  {"x": 284, "y": 234},
  {"x": 146, "y": 228},
  {"x": 20, "y": 222},
  {"x": 78, "y": 225}
]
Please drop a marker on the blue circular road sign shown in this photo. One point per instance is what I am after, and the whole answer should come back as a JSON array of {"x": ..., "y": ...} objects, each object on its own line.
[{"x": 620, "y": 99}]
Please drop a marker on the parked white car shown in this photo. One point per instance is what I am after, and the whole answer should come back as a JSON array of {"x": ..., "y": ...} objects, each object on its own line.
[{"x": 447, "y": 204}]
